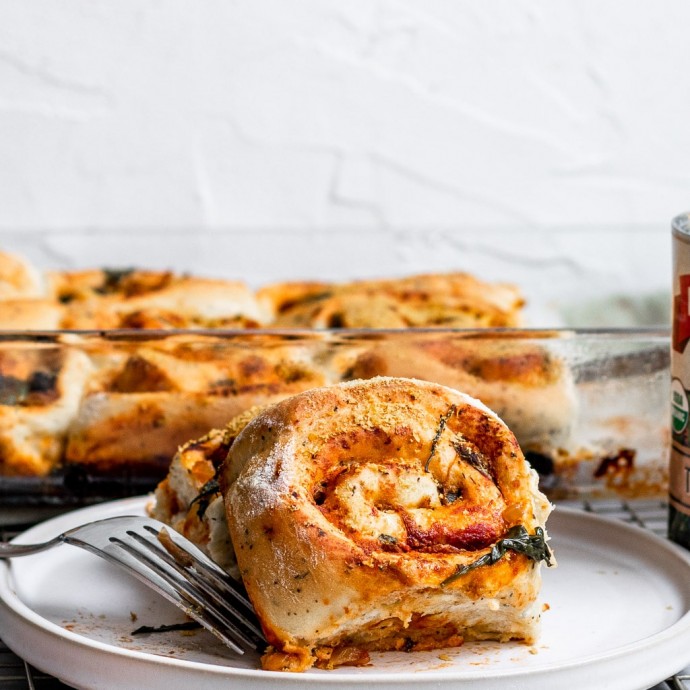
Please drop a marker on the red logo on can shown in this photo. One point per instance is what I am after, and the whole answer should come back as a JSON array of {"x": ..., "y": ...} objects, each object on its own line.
[{"x": 681, "y": 316}]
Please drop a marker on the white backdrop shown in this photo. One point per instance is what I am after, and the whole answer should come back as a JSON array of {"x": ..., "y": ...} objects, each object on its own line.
[{"x": 542, "y": 141}]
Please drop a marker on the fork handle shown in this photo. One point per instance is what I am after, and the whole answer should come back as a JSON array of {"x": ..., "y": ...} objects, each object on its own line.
[{"x": 8, "y": 550}]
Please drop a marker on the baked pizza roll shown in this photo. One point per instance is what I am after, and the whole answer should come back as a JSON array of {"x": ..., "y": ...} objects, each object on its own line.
[
  {"x": 530, "y": 388},
  {"x": 146, "y": 401},
  {"x": 133, "y": 298},
  {"x": 30, "y": 314},
  {"x": 189, "y": 498},
  {"x": 19, "y": 278},
  {"x": 454, "y": 300},
  {"x": 41, "y": 386},
  {"x": 381, "y": 515}
]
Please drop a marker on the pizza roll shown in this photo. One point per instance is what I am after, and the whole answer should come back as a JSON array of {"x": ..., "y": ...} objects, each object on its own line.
[
  {"x": 530, "y": 388},
  {"x": 134, "y": 298},
  {"x": 41, "y": 386},
  {"x": 19, "y": 279},
  {"x": 381, "y": 515},
  {"x": 146, "y": 401},
  {"x": 189, "y": 498},
  {"x": 30, "y": 314},
  {"x": 453, "y": 300}
]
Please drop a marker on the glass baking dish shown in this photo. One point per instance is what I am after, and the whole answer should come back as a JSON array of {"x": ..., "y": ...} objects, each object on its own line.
[{"x": 90, "y": 416}]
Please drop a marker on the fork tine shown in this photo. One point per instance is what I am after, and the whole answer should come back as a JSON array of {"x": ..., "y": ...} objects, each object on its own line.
[
  {"x": 218, "y": 589},
  {"x": 183, "y": 574},
  {"x": 196, "y": 604},
  {"x": 134, "y": 565},
  {"x": 223, "y": 581},
  {"x": 192, "y": 580},
  {"x": 193, "y": 605}
]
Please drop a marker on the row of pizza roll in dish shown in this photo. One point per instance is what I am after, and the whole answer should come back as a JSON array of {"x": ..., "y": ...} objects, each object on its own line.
[
  {"x": 75, "y": 403},
  {"x": 110, "y": 405},
  {"x": 163, "y": 299},
  {"x": 371, "y": 515}
]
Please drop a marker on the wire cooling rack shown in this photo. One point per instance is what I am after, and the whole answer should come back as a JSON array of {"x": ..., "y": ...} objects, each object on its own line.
[{"x": 15, "y": 674}]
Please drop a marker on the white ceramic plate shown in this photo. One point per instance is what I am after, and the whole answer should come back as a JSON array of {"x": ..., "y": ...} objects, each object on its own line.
[{"x": 618, "y": 617}]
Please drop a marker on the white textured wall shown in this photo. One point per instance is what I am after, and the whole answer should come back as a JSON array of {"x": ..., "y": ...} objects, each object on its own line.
[{"x": 543, "y": 140}]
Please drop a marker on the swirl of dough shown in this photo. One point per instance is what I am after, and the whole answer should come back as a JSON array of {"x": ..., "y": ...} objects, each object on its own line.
[{"x": 353, "y": 507}]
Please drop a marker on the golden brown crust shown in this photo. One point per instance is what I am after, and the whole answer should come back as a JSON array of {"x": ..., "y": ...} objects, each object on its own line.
[
  {"x": 41, "y": 390},
  {"x": 137, "y": 298},
  {"x": 281, "y": 297},
  {"x": 138, "y": 405},
  {"x": 350, "y": 506},
  {"x": 454, "y": 300},
  {"x": 99, "y": 299},
  {"x": 142, "y": 406},
  {"x": 30, "y": 314},
  {"x": 524, "y": 383}
]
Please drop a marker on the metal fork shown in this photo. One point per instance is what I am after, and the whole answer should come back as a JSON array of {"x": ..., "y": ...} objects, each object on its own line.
[{"x": 171, "y": 565}]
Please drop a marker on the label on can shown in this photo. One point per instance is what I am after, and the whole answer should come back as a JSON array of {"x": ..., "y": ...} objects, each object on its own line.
[{"x": 679, "y": 467}]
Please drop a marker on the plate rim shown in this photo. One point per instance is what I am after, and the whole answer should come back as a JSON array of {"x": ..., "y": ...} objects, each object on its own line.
[{"x": 15, "y": 607}]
